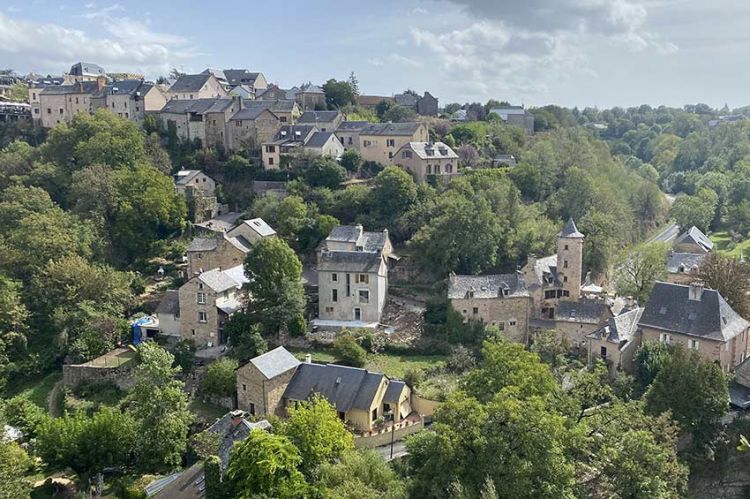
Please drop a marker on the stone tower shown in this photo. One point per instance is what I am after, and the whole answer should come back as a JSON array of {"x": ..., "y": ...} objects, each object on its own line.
[{"x": 570, "y": 260}]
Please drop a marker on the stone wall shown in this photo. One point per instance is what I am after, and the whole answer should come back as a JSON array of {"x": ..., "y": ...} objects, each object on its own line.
[
  {"x": 378, "y": 439},
  {"x": 494, "y": 311},
  {"x": 74, "y": 374},
  {"x": 264, "y": 394},
  {"x": 425, "y": 407}
]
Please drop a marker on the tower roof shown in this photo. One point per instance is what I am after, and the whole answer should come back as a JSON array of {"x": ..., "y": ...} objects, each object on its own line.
[{"x": 570, "y": 230}]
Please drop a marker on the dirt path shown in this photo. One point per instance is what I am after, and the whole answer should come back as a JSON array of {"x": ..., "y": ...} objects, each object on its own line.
[{"x": 52, "y": 397}]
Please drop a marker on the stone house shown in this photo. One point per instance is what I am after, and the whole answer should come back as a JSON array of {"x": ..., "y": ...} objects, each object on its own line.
[
  {"x": 693, "y": 241},
  {"x": 353, "y": 276},
  {"x": 249, "y": 232},
  {"x": 515, "y": 116},
  {"x": 325, "y": 121},
  {"x": 86, "y": 71},
  {"x": 617, "y": 341},
  {"x": 168, "y": 313},
  {"x": 287, "y": 110},
  {"x": 207, "y": 301},
  {"x": 557, "y": 277},
  {"x": 200, "y": 86},
  {"x": 252, "y": 126},
  {"x": 498, "y": 300},
  {"x": 273, "y": 92},
  {"x": 325, "y": 144},
  {"x": 310, "y": 97},
  {"x": 427, "y": 105},
  {"x": 348, "y": 133},
  {"x": 60, "y": 103},
  {"x": 682, "y": 268},
  {"x": 195, "y": 179},
  {"x": 575, "y": 320},
  {"x": 294, "y": 139},
  {"x": 276, "y": 380},
  {"x": 698, "y": 319},
  {"x": 233, "y": 78},
  {"x": 427, "y": 159},
  {"x": 379, "y": 142},
  {"x": 202, "y": 119},
  {"x": 130, "y": 99}
]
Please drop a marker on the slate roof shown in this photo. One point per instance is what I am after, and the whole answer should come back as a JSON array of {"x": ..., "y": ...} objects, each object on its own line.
[
  {"x": 620, "y": 327},
  {"x": 222, "y": 280},
  {"x": 260, "y": 227},
  {"x": 250, "y": 113},
  {"x": 197, "y": 106},
  {"x": 393, "y": 392},
  {"x": 670, "y": 309},
  {"x": 570, "y": 230},
  {"x": 126, "y": 87},
  {"x": 275, "y": 105},
  {"x": 170, "y": 303},
  {"x": 240, "y": 77},
  {"x": 203, "y": 244},
  {"x": 183, "y": 177},
  {"x": 431, "y": 150},
  {"x": 318, "y": 139},
  {"x": 84, "y": 87},
  {"x": 229, "y": 434},
  {"x": 314, "y": 117},
  {"x": 87, "y": 69},
  {"x": 190, "y": 83},
  {"x": 344, "y": 387},
  {"x": 349, "y": 261},
  {"x": 406, "y": 99},
  {"x": 694, "y": 235},
  {"x": 352, "y": 125},
  {"x": 546, "y": 266},
  {"x": 487, "y": 286},
  {"x": 293, "y": 133},
  {"x": 275, "y": 362},
  {"x": 345, "y": 233},
  {"x": 371, "y": 242},
  {"x": 679, "y": 263},
  {"x": 406, "y": 129},
  {"x": 580, "y": 311}
]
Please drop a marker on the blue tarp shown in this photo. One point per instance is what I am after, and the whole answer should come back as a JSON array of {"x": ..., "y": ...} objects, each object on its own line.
[{"x": 137, "y": 333}]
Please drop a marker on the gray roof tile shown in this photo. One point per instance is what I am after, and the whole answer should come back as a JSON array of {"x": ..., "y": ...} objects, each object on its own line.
[
  {"x": 190, "y": 83},
  {"x": 344, "y": 387},
  {"x": 570, "y": 230},
  {"x": 406, "y": 129},
  {"x": 487, "y": 286},
  {"x": 275, "y": 362},
  {"x": 349, "y": 261}
]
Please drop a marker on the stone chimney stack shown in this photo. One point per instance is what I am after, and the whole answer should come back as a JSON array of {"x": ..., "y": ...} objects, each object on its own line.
[
  {"x": 101, "y": 82},
  {"x": 236, "y": 418},
  {"x": 308, "y": 359},
  {"x": 696, "y": 291}
]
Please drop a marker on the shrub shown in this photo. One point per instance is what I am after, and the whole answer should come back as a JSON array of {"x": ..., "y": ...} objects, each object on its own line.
[
  {"x": 348, "y": 351},
  {"x": 413, "y": 377},
  {"x": 221, "y": 380}
]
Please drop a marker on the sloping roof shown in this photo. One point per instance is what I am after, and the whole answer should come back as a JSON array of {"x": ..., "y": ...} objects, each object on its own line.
[
  {"x": 222, "y": 280},
  {"x": 83, "y": 87},
  {"x": 197, "y": 106},
  {"x": 260, "y": 227},
  {"x": 352, "y": 125},
  {"x": 275, "y": 362},
  {"x": 240, "y": 76},
  {"x": 406, "y": 99},
  {"x": 125, "y": 87},
  {"x": 393, "y": 392},
  {"x": 694, "y": 235},
  {"x": 570, "y": 230},
  {"x": 250, "y": 113},
  {"x": 230, "y": 434},
  {"x": 275, "y": 105},
  {"x": 349, "y": 261},
  {"x": 487, "y": 286},
  {"x": 170, "y": 303},
  {"x": 314, "y": 117},
  {"x": 87, "y": 69},
  {"x": 218, "y": 73},
  {"x": 543, "y": 267},
  {"x": 318, "y": 139},
  {"x": 183, "y": 177},
  {"x": 678, "y": 263},
  {"x": 580, "y": 311},
  {"x": 311, "y": 89},
  {"x": 344, "y": 387},
  {"x": 203, "y": 244},
  {"x": 293, "y": 133},
  {"x": 431, "y": 150},
  {"x": 190, "y": 83},
  {"x": 671, "y": 309},
  {"x": 620, "y": 327},
  {"x": 406, "y": 129},
  {"x": 345, "y": 233}
]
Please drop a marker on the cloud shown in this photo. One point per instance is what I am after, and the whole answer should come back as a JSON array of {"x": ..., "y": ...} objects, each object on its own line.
[
  {"x": 128, "y": 45},
  {"x": 395, "y": 59}
]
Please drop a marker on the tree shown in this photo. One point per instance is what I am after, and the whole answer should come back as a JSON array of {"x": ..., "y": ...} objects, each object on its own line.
[
  {"x": 14, "y": 463},
  {"x": 275, "y": 285},
  {"x": 729, "y": 277},
  {"x": 221, "y": 379},
  {"x": 641, "y": 268},
  {"x": 393, "y": 193},
  {"x": 338, "y": 93},
  {"x": 399, "y": 114},
  {"x": 694, "y": 389},
  {"x": 353, "y": 83},
  {"x": 361, "y": 474},
  {"x": 692, "y": 210},
  {"x": 324, "y": 172},
  {"x": 158, "y": 403},
  {"x": 351, "y": 160},
  {"x": 316, "y": 430},
  {"x": 184, "y": 355},
  {"x": 265, "y": 465},
  {"x": 650, "y": 359},
  {"x": 245, "y": 336},
  {"x": 348, "y": 351},
  {"x": 19, "y": 92},
  {"x": 13, "y": 328}
]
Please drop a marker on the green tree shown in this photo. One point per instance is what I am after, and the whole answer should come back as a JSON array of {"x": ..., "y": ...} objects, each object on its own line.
[
  {"x": 692, "y": 210},
  {"x": 338, "y": 93},
  {"x": 316, "y": 430},
  {"x": 729, "y": 277},
  {"x": 265, "y": 465},
  {"x": 351, "y": 160},
  {"x": 245, "y": 336},
  {"x": 324, "y": 172},
  {"x": 640, "y": 269},
  {"x": 694, "y": 389},
  {"x": 399, "y": 114},
  {"x": 221, "y": 379},
  {"x": 274, "y": 271},
  {"x": 19, "y": 92},
  {"x": 14, "y": 463},
  {"x": 13, "y": 328},
  {"x": 393, "y": 193},
  {"x": 650, "y": 359},
  {"x": 348, "y": 351},
  {"x": 215, "y": 487},
  {"x": 361, "y": 474},
  {"x": 184, "y": 355}
]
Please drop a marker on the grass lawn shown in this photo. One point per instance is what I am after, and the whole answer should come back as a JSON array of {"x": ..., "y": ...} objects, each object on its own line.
[
  {"x": 206, "y": 411},
  {"x": 36, "y": 389},
  {"x": 722, "y": 241},
  {"x": 392, "y": 365}
]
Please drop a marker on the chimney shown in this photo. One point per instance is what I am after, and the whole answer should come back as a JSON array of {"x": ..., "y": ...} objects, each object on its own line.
[
  {"x": 359, "y": 230},
  {"x": 101, "y": 82},
  {"x": 236, "y": 417},
  {"x": 630, "y": 302},
  {"x": 237, "y": 101},
  {"x": 696, "y": 291},
  {"x": 308, "y": 359}
]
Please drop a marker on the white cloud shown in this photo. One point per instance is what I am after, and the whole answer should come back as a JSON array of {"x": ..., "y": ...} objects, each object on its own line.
[
  {"x": 376, "y": 61},
  {"x": 405, "y": 61},
  {"x": 128, "y": 45}
]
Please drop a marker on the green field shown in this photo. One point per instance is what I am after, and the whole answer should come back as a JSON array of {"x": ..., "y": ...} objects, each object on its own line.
[
  {"x": 392, "y": 365},
  {"x": 723, "y": 243},
  {"x": 36, "y": 389}
]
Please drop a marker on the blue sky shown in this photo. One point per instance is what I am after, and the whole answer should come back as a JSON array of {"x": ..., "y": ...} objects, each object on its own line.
[{"x": 568, "y": 52}]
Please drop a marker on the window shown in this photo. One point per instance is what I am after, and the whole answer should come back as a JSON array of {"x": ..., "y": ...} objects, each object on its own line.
[
  {"x": 429, "y": 169},
  {"x": 375, "y": 414},
  {"x": 364, "y": 296},
  {"x": 342, "y": 415},
  {"x": 202, "y": 317},
  {"x": 565, "y": 264},
  {"x": 512, "y": 322},
  {"x": 270, "y": 161},
  {"x": 603, "y": 352},
  {"x": 693, "y": 344},
  {"x": 367, "y": 143},
  {"x": 565, "y": 278},
  {"x": 550, "y": 293},
  {"x": 193, "y": 331},
  {"x": 566, "y": 247},
  {"x": 76, "y": 100},
  {"x": 350, "y": 141},
  {"x": 191, "y": 96},
  {"x": 201, "y": 298},
  {"x": 390, "y": 155},
  {"x": 665, "y": 338},
  {"x": 475, "y": 310},
  {"x": 348, "y": 284},
  {"x": 270, "y": 148},
  {"x": 49, "y": 110},
  {"x": 566, "y": 292},
  {"x": 406, "y": 154},
  {"x": 449, "y": 168},
  {"x": 334, "y": 295},
  {"x": 363, "y": 278},
  {"x": 334, "y": 277},
  {"x": 252, "y": 407},
  {"x": 61, "y": 110},
  {"x": 282, "y": 119},
  {"x": 200, "y": 284},
  {"x": 244, "y": 387},
  {"x": 437, "y": 169},
  {"x": 501, "y": 326},
  {"x": 390, "y": 142},
  {"x": 36, "y": 111}
]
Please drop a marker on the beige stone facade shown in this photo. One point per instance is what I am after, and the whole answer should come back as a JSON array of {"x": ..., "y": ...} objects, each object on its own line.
[
  {"x": 192, "y": 87},
  {"x": 219, "y": 251},
  {"x": 427, "y": 159},
  {"x": 259, "y": 395},
  {"x": 728, "y": 353},
  {"x": 60, "y": 103},
  {"x": 379, "y": 142}
]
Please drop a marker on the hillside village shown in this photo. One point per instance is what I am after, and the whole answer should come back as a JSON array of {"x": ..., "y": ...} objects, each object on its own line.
[{"x": 387, "y": 295}]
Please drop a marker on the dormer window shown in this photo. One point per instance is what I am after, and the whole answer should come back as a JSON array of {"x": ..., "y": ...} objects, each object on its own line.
[{"x": 663, "y": 311}]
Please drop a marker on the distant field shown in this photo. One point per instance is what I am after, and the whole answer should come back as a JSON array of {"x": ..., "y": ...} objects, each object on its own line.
[{"x": 723, "y": 243}]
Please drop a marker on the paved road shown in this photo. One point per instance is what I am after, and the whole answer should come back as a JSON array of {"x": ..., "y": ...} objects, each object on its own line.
[
  {"x": 399, "y": 450},
  {"x": 667, "y": 235}
]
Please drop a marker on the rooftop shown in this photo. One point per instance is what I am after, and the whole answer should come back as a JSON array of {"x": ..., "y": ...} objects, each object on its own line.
[
  {"x": 391, "y": 129},
  {"x": 344, "y": 387},
  {"x": 620, "y": 327},
  {"x": 275, "y": 362},
  {"x": 432, "y": 150},
  {"x": 695, "y": 236},
  {"x": 222, "y": 280},
  {"x": 349, "y": 261},
  {"x": 486, "y": 286},
  {"x": 314, "y": 117},
  {"x": 570, "y": 230},
  {"x": 190, "y": 83},
  {"x": 581, "y": 311}
]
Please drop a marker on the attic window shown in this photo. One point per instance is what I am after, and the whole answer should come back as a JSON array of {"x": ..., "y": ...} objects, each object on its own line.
[
  {"x": 662, "y": 310},
  {"x": 506, "y": 291},
  {"x": 692, "y": 316},
  {"x": 338, "y": 380}
]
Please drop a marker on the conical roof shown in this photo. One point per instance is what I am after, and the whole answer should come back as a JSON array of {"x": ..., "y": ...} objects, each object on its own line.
[{"x": 570, "y": 230}]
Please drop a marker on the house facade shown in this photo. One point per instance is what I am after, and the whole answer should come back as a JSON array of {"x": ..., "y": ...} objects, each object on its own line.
[
  {"x": 295, "y": 139},
  {"x": 325, "y": 121},
  {"x": 617, "y": 341},
  {"x": 60, "y": 103},
  {"x": 129, "y": 99},
  {"x": 200, "y": 86},
  {"x": 575, "y": 320},
  {"x": 497, "y": 300},
  {"x": 353, "y": 275},
  {"x": 379, "y": 142},
  {"x": 195, "y": 179},
  {"x": 348, "y": 133},
  {"x": 427, "y": 159}
]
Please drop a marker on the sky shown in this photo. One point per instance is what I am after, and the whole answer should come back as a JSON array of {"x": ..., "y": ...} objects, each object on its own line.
[{"x": 581, "y": 53}]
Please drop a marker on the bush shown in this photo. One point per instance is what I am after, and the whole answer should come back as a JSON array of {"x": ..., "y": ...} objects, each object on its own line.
[
  {"x": 413, "y": 377},
  {"x": 184, "y": 355},
  {"x": 348, "y": 351},
  {"x": 221, "y": 380},
  {"x": 461, "y": 360}
]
